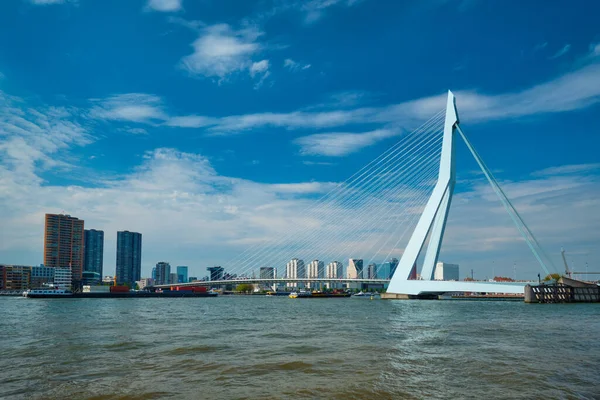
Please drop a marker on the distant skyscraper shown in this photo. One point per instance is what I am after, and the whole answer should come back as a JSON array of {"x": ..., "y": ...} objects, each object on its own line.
[
  {"x": 267, "y": 272},
  {"x": 154, "y": 273},
  {"x": 372, "y": 271},
  {"x": 64, "y": 243},
  {"x": 163, "y": 273},
  {"x": 129, "y": 257},
  {"x": 173, "y": 278},
  {"x": 192, "y": 278},
  {"x": 316, "y": 269},
  {"x": 393, "y": 266},
  {"x": 335, "y": 270},
  {"x": 355, "y": 269},
  {"x": 93, "y": 251},
  {"x": 295, "y": 268},
  {"x": 216, "y": 273},
  {"x": 182, "y": 274}
]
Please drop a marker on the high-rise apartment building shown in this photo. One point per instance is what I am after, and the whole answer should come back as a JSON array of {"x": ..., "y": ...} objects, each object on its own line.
[
  {"x": 316, "y": 269},
  {"x": 64, "y": 243},
  {"x": 182, "y": 274},
  {"x": 335, "y": 270},
  {"x": 173, "y": 278},
  {"x": 355, "y": 269},
  {"x": 129, "y": 257},
  {"x": 295, "y": 268},
  {"x": 163, "y": 273},
  {"x": 94, "y": 251}
]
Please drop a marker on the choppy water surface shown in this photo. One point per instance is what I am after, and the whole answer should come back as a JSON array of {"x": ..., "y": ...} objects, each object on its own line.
[{"x": 261, "y": 347}]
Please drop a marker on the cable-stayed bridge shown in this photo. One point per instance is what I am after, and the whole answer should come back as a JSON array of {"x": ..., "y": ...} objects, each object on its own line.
[{"x": 395, "y": 208}]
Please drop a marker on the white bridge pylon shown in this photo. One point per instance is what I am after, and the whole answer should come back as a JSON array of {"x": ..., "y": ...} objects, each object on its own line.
[{"x": 433, "y": 223}]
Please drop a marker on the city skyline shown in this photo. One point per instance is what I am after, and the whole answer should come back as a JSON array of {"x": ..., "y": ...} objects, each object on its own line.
[{"x": 204, "y": 177}]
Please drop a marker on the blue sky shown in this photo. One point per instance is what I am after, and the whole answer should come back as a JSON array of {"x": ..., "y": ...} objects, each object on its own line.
[{"x": 181, "y": 119}]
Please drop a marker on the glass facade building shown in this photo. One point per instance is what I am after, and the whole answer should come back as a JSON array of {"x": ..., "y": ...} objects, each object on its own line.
[
  {"x": 182, "y": 274},
  {"x": 129, "y": 257},
  {"x": 93, "y": 251}
]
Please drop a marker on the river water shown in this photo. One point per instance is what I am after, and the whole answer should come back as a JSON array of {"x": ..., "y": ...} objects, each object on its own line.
[{"x": 236, "y": 347}]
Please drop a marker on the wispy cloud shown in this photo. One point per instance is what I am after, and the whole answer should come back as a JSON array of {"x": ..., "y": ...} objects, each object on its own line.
[
  {"x": 315, "y": 9},
  {"x": 135, "y": 107},
  {"x": 260, "y": 69},
  {"x": 540, "y": 46},
  {"x": 575, "y": 90},
  {"x": 561, "y": 52},
  {"x": 339, "y": 144},
  {"x": 220, "y": 51},
  {"x": 164, "y": 5},
  {"x": 48, "y": 2},
  {"x": 294, "y": 66},
  {"x": 568, "y": 169}
]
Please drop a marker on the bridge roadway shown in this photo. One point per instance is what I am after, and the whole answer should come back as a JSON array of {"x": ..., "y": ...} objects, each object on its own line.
[{"x": 276, "y": 280}]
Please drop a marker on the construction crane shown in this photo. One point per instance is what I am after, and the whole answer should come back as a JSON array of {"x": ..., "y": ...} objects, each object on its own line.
[{"x": 567, "y": 270}]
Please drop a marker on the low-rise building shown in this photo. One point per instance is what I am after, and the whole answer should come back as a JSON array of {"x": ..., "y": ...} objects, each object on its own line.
[
  {"x": 62, "y": 277},
  {"x": 15, "y": 277}
]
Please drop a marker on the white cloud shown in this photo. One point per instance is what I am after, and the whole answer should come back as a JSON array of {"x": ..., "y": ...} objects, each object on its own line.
[
  {"x": 294, "y": 66},
  {"x": 341, "y": 144},
  {"x": 561, "y": 52},
  {"x": 136, "y": 107},
  {"x": 164, "y": 5},
  {"x": 260, "y": 67},
  {"x": 221, "y": 51},
  {"x": 190, "y": 121}
]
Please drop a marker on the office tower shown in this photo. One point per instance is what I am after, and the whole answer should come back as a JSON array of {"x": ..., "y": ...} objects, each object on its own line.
[
  {"x": 173, "y": 278},
  {"x": 216, "y": 273},
  {"x": 93, "y": 251},
  {"x": 129, "y": 257},
  {"x": 393, "y": 265},
  {"x": 154, "y": 273},
  {"x": 267, "y": 272},
  {"x": 182, "y": 274},
  {"x": 355, "y": 269},
  {"x": 295, "y": 268},
  {"x": 372, "y": 271},
  {"x": 192, "y": 278},
  {"x": 163, "y": 273},
  {"x": 446, "y": 272},
  {"x": 64, "y": 243}
]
